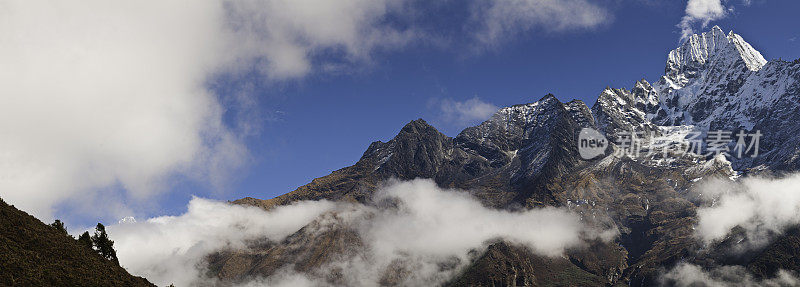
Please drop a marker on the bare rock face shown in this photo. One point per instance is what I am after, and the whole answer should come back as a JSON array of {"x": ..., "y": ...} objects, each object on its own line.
[{"x": 525, "y": 156}]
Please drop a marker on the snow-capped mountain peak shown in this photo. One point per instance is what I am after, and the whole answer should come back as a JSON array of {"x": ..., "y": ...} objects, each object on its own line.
[
  {"x": 712, "y": 48},
  {"x": 715, "y": 81}
]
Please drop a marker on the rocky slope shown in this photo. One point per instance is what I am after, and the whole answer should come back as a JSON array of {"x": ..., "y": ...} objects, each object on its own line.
[
  {"x": 35, "y": 254},
  {"x": 525, "y": 156}
]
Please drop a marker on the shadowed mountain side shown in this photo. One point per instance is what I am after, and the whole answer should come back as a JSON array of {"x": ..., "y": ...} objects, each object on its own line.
[
  {"x": 506, "y": 161},
  {"x": 783, "y": 254},
  {"x": 508, "y": 265}
]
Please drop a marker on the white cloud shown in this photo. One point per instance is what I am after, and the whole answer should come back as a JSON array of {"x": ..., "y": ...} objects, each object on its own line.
[
  {"x": 762, "y": 206},
  {"x": 289, "y": 33},
  {"x": 429, "y": 226},
  {"x": 685, "y": 274},
  {"x": 465, "y": 112},
  {"x": 499, "y": 20},
  {"x": 101, "y": 95},
  {"x": 433, "y": 221},
  {"x": 168, "y": 249},
  {"x": 701, "y": 11}
]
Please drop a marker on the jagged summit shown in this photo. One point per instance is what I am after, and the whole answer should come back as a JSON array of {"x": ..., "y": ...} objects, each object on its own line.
[
  {"x": 711, "y": 49},
  {"x": 418, "y": 126},
  {"x": 715, "y": 81}
]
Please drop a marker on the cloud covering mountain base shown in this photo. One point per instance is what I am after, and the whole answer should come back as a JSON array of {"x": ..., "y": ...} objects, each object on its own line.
[
  {"x": 763, "y": 207},
  {"x": 414, "y": 222}
]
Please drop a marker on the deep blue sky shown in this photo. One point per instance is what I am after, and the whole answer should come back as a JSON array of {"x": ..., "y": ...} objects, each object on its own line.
[{"x": 323, "y": 122}]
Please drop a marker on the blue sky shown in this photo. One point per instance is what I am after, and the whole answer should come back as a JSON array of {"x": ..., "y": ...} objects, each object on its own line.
[{"x": 281, "y": 96}]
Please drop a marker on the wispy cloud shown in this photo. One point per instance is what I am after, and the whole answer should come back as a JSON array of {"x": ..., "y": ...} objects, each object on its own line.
[
  {"x": 289, "y": 34},
  {"x": 462, "y": 113},
  {"x": 501, "y": 20},
  {"x": 703, "y": 12}
]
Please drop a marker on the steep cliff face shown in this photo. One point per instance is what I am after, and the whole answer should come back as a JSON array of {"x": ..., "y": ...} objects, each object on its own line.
[{"x": 526, "y": 156}]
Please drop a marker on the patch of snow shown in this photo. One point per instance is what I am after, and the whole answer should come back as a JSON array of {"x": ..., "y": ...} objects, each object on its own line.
[{"x": 126, "y": 220}]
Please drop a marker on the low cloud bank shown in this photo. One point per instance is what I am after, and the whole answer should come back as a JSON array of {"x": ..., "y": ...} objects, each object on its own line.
[
  {"x": 412, "y": 222},
  {"x": 685, "y": 274},
  {"x": 432, "y": 233},
  {"x": 763, "y": 207},
  {"x": 169, "y": 249},
  {"x": 440, "y": 222}
]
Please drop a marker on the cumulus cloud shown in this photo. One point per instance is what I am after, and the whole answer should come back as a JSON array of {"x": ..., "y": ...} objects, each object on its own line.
[
  {"x": 685, "y": 274},
  {"x": 763, "y": 207},
  {"x": 102, "y": 96},
  {"x": 499, "y": 20},
  {"x": 414, "y": 222},
  {"x": 703, "y": 12},
  {"x": 464, "y": 112}
]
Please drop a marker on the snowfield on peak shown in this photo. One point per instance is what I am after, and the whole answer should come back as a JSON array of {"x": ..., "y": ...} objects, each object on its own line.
[{"x": 715, "y": 81}]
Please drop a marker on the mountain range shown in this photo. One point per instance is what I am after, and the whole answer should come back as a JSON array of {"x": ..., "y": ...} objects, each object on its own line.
[{"x": 526, "y": 157}]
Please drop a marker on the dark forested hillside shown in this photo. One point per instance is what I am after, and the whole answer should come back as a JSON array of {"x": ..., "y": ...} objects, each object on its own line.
[{"x": 35, "y": 254}]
